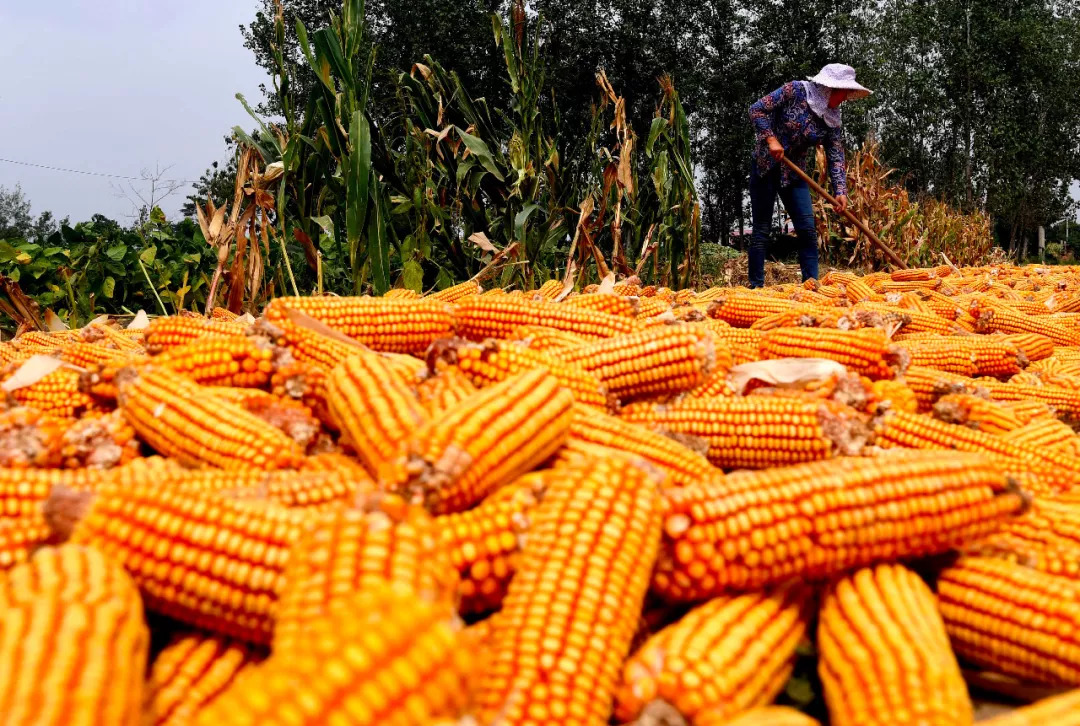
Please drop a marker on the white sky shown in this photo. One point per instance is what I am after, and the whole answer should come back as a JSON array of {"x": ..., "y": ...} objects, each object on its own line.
[{"x": 118, "y": 86}]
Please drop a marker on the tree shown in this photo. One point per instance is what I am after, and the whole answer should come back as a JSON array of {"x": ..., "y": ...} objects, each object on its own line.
[{"x": 16, "y": 221}]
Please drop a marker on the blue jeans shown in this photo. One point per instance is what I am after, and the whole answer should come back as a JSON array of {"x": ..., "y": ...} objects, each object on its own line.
[{"x": 796, "y": 199}]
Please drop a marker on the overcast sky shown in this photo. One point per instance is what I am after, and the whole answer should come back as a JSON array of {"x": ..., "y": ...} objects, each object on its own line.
[{"x": 118, "y": 86}]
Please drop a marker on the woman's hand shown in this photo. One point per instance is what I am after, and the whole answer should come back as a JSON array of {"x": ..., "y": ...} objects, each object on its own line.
[
  {"x": 776, "y": 149},
  {"x": 841, "y": 203}
]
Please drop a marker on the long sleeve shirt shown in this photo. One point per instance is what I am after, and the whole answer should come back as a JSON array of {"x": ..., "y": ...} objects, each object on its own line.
[{"x": 785, "y": 114}]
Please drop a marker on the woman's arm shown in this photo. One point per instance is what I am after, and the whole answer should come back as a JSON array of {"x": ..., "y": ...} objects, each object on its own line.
[
  {"x": 762, "y": 110},
  {"x": 834, "y": 155}
]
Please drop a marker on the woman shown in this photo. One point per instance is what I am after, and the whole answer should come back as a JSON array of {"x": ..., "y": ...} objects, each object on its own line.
[{"x": 791, "y": 120}]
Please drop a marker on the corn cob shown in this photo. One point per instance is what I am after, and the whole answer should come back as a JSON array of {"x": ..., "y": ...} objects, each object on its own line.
[
  {"x": 484, "y": 543},
  {"x": 73, "y": 643},
  {"x": 1046, "y": 537},
  {"x": 1012, "y": 619},
  {"x": 866, "y": 351},
  {"x": 679, "y": 464},
  {"x": 236, "y": 361},
  {"x": 308, "y": 341},
  {"x": 912, "y": 275},
  {"x": 20, "y": 537},
  {"x": 401, "y": 293},
  {"x": 918, "y": 431},
  {"x": 334, "y": 461},
  {"x": 86, "y": 355},
  {"x": 976, "y": 412},
  {"x": 895, "y": 395},
  {"x": 727, "y": 656},
  {"x": 494, "y": 361},
  {"x": 651, "y": 307},
  {"x": 768, "y": 716},
  {"x": 740, "y": 308},
  {"x": 394, "y": 326},
  {"x": 374, "y": 410},
  {"x": 305, "y": 383},
  {"x": 541, "y": 338},
  {"x": 350, "y": 549},
  {"x": 223, "y": 315},
  {"x": 929, "y": 385},
  {"x": 915, "y": 321},
  {"x": 455, "y": 292},
  {"x": 968, "y": 355},
  {"x": 1048, "y": 433},
  {"x": 29, "y": 438},
  {"x": 491, "y": 438},
  {"x": 1065, "y": 401},
  {"x": 885, "y": 656},
  {"x": 444, "y": 390},
  {"x": 207, "y": 561},
  {"x": 1002, "y": 320},
  {"x": 189, "y": 673},
  {"x": 745, "y": 344},
  {"x": 174, "y": 416},
  {"x": 479, "y": 318},
  {"x": 567, "y": 620},
  {"x": 1036, "y": 347},
  {"x": 1027, "y": 411},
  {"x": 1056, "y": 364},
  {"x": 816, "y": 520},
  {"x": 629, "y": 286},
  {"x": 655, "y": 362},
  {"x": 1059, "y": 710},
  {"x": 757, "y": 432},
  {"x": 171, "y": 332},
  {"x": 56, "y": 394},
  {"x": 550, "y": 290},
  {"x": 384, "y": 657},
  {"x": 611, "y": 304}
]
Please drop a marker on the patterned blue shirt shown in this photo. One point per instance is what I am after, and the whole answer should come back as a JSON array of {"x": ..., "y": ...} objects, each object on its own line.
[{"x": 785, "y": 114}]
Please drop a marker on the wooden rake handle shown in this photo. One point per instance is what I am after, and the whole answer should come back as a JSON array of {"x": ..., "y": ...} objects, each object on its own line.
[{"x": 885, "y": 249}]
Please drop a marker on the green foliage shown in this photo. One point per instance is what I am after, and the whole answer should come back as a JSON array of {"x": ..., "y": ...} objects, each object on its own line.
[{"x": 94, "y": 267}]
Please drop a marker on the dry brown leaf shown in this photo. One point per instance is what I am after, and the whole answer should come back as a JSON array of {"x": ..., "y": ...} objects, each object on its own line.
[
  {"x": 783, "y": 372},
  {"x": 481, "y": 240}
]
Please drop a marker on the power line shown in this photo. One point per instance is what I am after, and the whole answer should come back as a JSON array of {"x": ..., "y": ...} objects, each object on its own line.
[{"x": 92, "y": 173}]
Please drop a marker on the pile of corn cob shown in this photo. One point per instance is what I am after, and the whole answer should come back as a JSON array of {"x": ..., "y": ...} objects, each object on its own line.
[{"x": 644, "y": 503}]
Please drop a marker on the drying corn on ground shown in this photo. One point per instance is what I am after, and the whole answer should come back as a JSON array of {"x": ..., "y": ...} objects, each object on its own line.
[{"x": 621, "y": 505}]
